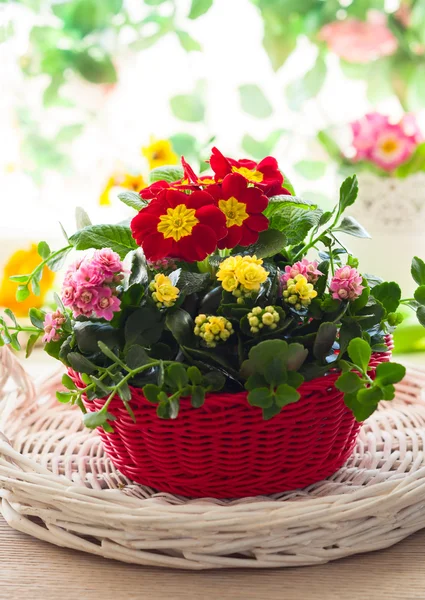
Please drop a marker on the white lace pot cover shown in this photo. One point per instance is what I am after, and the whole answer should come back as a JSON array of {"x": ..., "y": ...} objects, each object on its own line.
[{"x": 393, "y": 212}]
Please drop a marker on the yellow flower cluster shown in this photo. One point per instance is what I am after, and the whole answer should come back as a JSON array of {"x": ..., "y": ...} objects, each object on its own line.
[
  {"x": 213, "y": 329},
  {"x": 242, "y": 275},
  {"x": 163, "y": 291},
  {"x": 159, "y": 153},
  {"x": 259, "y": 318},
  {"x": 127, "y": 181},
  {"x": 299, "y": 292}
]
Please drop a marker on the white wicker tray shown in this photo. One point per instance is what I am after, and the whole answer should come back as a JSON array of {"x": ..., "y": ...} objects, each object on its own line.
[{"x": 57, "y": 485}]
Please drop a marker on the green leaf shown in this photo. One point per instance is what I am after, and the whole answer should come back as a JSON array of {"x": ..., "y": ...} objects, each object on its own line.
[
  {"x": 349, "y": 382},
  {"x": 56, "y": 262},
  {"x": 254, "y": 102},
  {"x": 194, "y": 375},
  {"x": 324, "y": 341},
  {"x": 116, "y": 237},
  {"x": 168, "y": 173},
  {"x": 22, "y": 293},
  {"x": 350, "y": 226},
  {"x": 67, "y": 382},
  {"x": 256, "y": 380},
  {"x": 296, "y": 356},
  {"x": 88, "y": 334},
  {"x": 350, "y": 329},
  {"x": 359, "y": 352},
  {"x": 136, "y": 357},
  {"x": 420, "y": 314},
  {"x": 80, "y": 363},
  {"x": 151, "y": 392},
  {"x": 389, "y": 373},
  {"x": 97, "y": 419},
  {"x": 81, "y": 218},
  {"x": 199, "y": 8},
  {"x": 269, "y": 243},
  {"x": 132, "y": 200},
  {"x": 214, "y": 381},
  {"x": 176, "y": 374},
  {"x": 389, "y": 294},
  {"x": 370, "y": 396},
  {"x": 185, "y": 145},
  {"x": 310, "y": 169},
  {"x": 181, "y": 325},
  {"x": 262, "y": 397},
  {"x": 329, "y": 145},
  {"x": 285, "y": 394},
  {"x": 418, "y": 270},
  {"x": 37, "y": 318},
  {"x": 187, "y": 42},
  {"x": 294, "y": 222},
  {"x": 188, "y": 282},
  {"x": 197, "y": 398},
  {"x": 360, "y": 302},
  {"x": 20, "y": 278},
  {"x": 69, "y": 132},
  {"x": 276, "y": 203},
  {"x": 188, "y": 107},
  {"x": 64, "y": 397},
  {"x": 32, "y": 340},
  {"x": 416, "y": 162},
  {"x": 360, "y": 411},
  {"x": 307, "y": 86},
  {"x": 420, "y": 294},
  {"x": 348, "y": 193},
  {"x": 43, "y": 250},
  {"x": 259, "y": 149},
  {"x": 95, "y": 65},
  {"x": 144, "y": 327}
]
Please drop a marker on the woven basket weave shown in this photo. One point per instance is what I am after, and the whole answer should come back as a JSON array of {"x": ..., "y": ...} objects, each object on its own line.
[
  {"x": 56, "y": 484},
  {"x": 226, "y": 450}
]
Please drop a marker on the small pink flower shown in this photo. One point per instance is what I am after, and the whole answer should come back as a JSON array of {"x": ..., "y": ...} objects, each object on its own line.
[
  {"x": 107, "y": 304},
  {"x": 52, "y": 324},
  {"x": 68, "y": 293},
  {"x": 303, "y": 267},
  {"x": 360, "y": 41},
  {"x": 346, "y": 284},
  {"x": 392, "y": 148},
  {"x": 89, "y": 274},
  {"x": 108, "y": 260}
]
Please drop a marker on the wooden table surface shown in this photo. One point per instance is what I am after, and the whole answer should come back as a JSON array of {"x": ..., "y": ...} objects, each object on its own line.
[{"x": 34, "y": 570}]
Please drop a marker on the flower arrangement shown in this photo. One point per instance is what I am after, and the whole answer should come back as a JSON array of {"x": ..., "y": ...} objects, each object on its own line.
[
  {"x": 212, "y": 286},
  {"x": 382, "y": 146}
]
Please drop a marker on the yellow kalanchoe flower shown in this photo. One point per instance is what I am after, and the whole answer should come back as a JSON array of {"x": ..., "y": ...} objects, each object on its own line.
[
  {"x": 164, "y": 293},
  {"x": 259, "y": 318},
  {"x": 23, "y": 262},
  {"x": 159, "y": 153},
  {"x": 213, "y": 329},
  {"x": 242, "y": 275},
  {"x": 299, "y": 292}
]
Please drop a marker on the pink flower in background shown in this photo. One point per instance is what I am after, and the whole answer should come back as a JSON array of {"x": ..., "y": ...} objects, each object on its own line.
[
  {"x": 360, "y": 41},
  {"x": 386, "y": 144},
  {"x": 303, "y": 267},
  {"x": 52, "y": 325},
  {"x": 90, "y": 285},
  {"x": 346, "y": 284}
]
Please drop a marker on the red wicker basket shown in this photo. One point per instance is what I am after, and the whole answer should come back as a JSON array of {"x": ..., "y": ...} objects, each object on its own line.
[{"x": 226, "y": 450}]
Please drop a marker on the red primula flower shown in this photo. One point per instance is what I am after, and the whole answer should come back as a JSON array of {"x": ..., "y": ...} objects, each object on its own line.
[
  {"x": 265, "y": 174},
  {"x": 242, "y": 207},
  {"x": 192, "y": 178},
  {"x": 179, "y": 225}
]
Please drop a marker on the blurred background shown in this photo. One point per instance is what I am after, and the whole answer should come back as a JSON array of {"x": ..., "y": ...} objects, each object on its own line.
[{"x": 94, "y": 93}]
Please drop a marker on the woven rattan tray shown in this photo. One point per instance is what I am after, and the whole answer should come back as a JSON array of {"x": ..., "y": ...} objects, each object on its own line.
[{"x": 57, "y": 485}]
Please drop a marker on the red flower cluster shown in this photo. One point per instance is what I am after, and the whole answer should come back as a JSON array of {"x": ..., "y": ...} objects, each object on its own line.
[{"x": 191, "y": 218}]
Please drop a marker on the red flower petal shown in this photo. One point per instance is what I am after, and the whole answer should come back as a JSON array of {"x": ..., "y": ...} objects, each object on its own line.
[
  {"x": 248, "y": 237},
  {"x": 232, "y": 239},
  {"x": 155, "y": 246},
  {"x": 198, "y": 199},
  {"x": 234, "y": 185},
  {"x": 153, "y": 190},
  {"x": 257, "y": 222},
  {"x": 198, "y": 245},
  {"x": 220, "y": 164},
  {"x": 212, "y": 217},
  {"x": 255, "y": 200},
  {"x": 189, "y": 173}
]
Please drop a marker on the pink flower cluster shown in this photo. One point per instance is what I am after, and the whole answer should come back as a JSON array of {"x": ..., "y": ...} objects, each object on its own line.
[
  {"x": 303, "y": 267},
  {"x": 52, "y": 325},
  {"x": 90, "y": 285},
  {"x": 360, "y": 41},
  {"x": 346, "y": 284},
  {"x": 385, "y": 144}
]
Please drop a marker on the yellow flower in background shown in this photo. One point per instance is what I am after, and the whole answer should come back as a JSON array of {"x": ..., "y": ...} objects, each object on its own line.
[
  {"x": 135, "y": 183},
  {"x": 159, "y": 153},
  {"x": 20, "y": 263}
]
